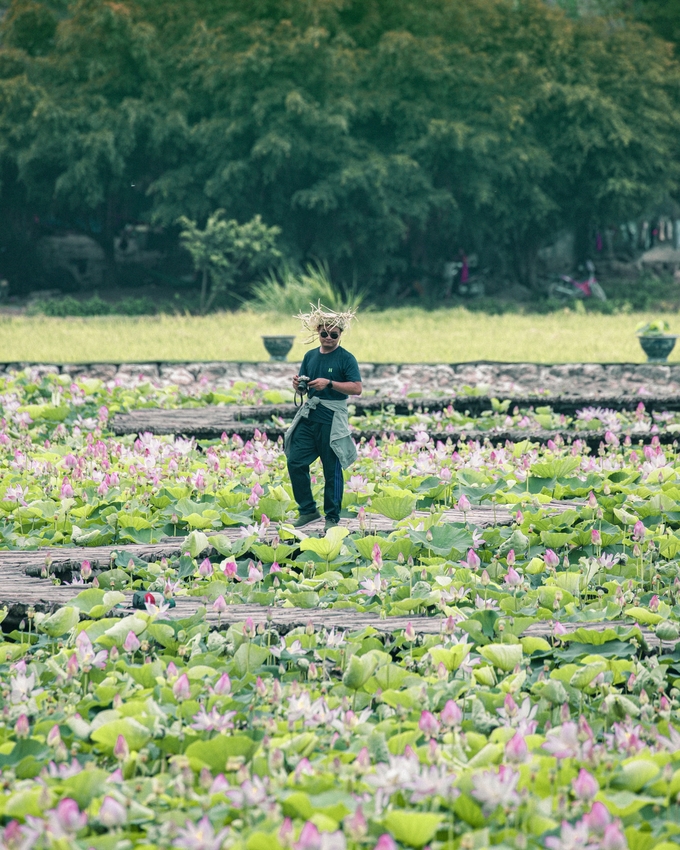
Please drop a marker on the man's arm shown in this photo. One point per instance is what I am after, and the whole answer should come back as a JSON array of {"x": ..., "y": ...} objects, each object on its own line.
[{"x": 346, "y": 387}]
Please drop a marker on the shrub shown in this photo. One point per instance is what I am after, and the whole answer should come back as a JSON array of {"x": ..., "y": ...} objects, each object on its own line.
[{"x": 290, "y": 292}]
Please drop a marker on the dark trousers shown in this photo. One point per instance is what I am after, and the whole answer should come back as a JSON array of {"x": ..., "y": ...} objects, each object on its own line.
[{"x": 309, "y": 441}]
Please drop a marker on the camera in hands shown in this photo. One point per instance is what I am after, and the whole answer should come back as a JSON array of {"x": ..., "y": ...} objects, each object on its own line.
[{"x": 303, "y": 381}]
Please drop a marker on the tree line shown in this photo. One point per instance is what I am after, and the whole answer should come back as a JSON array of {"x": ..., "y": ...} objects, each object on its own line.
[{"x": 380, "y": 137}]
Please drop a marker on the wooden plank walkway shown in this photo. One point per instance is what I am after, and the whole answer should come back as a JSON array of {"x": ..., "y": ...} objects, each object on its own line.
[
  {"x": 44, "y": 596},
  {"x": 209, "y": 423},
  {"x": 63, "y": 560},
  {"x": 213, "y": 418}
]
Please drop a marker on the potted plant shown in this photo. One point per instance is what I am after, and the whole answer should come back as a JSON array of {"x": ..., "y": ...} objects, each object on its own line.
[{"x": 655, "y": 340}]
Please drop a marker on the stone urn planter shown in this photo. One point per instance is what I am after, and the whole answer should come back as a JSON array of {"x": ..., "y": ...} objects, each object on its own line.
[
  {"x": 655, "y": 340},
  {"x": 278, "y": 346},
  {"x": 657, "y": 348}
]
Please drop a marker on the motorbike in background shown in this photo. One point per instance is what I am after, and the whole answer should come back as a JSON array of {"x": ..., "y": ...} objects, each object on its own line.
[{"x": 568, "y": 288}]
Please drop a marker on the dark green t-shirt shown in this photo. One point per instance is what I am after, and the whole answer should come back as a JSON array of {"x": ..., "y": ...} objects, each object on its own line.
[{"x": 338, "y": 365}]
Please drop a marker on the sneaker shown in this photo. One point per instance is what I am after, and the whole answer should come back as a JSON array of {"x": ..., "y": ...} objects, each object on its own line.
[
  {"x": 331, "y": 523},
  {"x": 305, "y": 519}
]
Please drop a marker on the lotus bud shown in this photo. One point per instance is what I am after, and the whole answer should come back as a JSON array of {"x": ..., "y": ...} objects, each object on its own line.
[
  {"x": 464, "y": 504},
  {"x": 428, "y": 724},
  {"x": 442, "y": 672},
  {"x": 219, "y": 605},
  {"x": 585, "y": 786},
  {"x": 516, "y": 749},
  {"x": 510, "y": 558},
  {"x": 654, "y": 604},
  {"x": 451, "y": 715},
  {"x": 449, "y": 625},
  {"x": 223, "y": 685},
  {"x": 249, "y": 628},
  {"x": 112, "y": 813},
  {"x": 206, "y": 568},
  {"x": 473, "y": 560},
  {"x": 486, "y": 580},
  {"x": 356, "y": 825},
  {"x": 550, "y": 559},
  {"x": 598, "y": 818},
  {"x": 592, "y": 501},
  {"x": 286, "y": 832},
  {"x": 182, "y": 689},
  {"x": 310, "y": 838},
  {"x": 385, "y": 842},
  {"x": 410, "y": 632},
  {"x": 639, "y": 531},
  {"x": 121, "y": 751},
  {"x": 595, "y": 537},
  {"x": 565, "y": 712},
  {"x": 85, "y": 570},
  {"x": 613, "y": 838},
  {"x": 54, "y": 736},
  {"x": 22, "y": 727},
  {"x": 131, "y": 643}
]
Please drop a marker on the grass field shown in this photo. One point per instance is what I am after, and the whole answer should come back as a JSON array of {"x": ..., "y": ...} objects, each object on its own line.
[{"x": 406, "y": 335}]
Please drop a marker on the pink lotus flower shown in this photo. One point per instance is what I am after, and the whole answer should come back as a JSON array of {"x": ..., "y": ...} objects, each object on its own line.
[
  {"x": 66, "y": 489},
  {"x": 371, "y": 587},
  {"x": 66, "y": 819},
  {"x": 464, "y": 504},
  {"x": 595, "y": 537},
  {"x": 510, "y": 559},
  {"x": 112, "y": 813},
  {"x": 255, "y": 574},
  {"x": 451, "y": 715},
  {"x": 377, "y": 556},
  {"x": 639, "y": 531},
  {"x": 229, "y": 568},
  {"x": 496, "y": 789},
  {"x": 200, "y": 836},
  {"x": 428, "y": 724},
  {"x": 512, "y": 578},
  {"x": 410, "y": 632},
  {"x": 585, "y": 786},
  {"x": 181, "y": 690}
]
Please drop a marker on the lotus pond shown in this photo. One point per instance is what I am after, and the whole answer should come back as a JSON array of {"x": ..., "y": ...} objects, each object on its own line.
[{"x": 543, "y": 713}]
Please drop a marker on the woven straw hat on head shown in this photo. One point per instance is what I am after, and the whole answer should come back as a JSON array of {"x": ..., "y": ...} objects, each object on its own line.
[{"x": 321, "y": 317}]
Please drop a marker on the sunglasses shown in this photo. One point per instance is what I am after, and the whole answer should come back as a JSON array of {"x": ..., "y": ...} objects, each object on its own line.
[{"x": 326, "y": 334}]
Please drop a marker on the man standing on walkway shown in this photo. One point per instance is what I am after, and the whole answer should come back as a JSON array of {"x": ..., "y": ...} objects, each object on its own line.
[{"x": 321, "y": 426}]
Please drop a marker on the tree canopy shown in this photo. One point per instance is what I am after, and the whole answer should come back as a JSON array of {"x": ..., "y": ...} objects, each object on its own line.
[{"x": 380, "y": 136}]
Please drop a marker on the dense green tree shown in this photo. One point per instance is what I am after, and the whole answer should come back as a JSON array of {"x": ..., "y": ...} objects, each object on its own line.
[{"x": 380, "y": 136}]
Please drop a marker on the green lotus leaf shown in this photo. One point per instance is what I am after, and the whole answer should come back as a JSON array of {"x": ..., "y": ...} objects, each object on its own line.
[
  {"x": 413, "y": 828},
  {"x": 135, "y": 734},
  {"x": 218, "y": 750},
  {"x": 504, "y": 656},
  {"x": 327, "y": 547},
  {"x": 451, "y": 657},
  {"x": 359, "y": 670},
  {"x": 61, "y": 622}
]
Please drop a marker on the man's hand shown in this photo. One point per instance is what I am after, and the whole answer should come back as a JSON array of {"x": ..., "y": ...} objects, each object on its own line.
[
  {"x": 319, "y": 384},
  {"x": 296, "y": 381}
]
